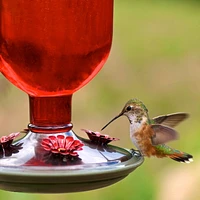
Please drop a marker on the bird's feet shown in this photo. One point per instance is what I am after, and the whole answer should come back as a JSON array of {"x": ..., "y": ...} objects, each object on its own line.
[{"x": 135, "y": 153}]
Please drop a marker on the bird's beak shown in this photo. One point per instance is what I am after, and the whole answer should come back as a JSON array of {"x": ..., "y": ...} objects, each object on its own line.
[{"x": 120, "y": 114}]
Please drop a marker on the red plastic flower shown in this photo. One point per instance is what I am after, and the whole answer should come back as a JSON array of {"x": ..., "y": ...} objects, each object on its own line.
[
  {"x": 9, "y": 138},
  {"x": 98, "y": 138},
  {"x": 6, "y": 146},
  {"x": 64, "y": 145}
]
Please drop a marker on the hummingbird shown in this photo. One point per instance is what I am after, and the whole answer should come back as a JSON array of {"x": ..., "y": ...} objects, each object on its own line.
[{"x": 150, "y": 135}]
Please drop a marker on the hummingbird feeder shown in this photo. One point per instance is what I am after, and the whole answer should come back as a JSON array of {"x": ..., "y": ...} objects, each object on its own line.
[{"x": 50, "y": 49}]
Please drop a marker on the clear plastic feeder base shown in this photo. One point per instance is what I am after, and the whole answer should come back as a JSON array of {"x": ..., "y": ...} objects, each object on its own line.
[{"x": 28, "y": 166}]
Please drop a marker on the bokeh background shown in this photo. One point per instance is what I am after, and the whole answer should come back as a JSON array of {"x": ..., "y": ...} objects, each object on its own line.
[{"x": 155, "y": 57}]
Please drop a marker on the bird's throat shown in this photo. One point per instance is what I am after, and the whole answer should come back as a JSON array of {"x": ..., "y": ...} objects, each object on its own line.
[{"x": 135, "y": 124}]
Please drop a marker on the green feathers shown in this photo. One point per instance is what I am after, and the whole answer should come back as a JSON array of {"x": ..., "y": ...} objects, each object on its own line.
[{"x": 137, "y": 102}]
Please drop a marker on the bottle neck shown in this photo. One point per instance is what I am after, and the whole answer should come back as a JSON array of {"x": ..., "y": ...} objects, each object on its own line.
[{"x": 50, "y": 114}]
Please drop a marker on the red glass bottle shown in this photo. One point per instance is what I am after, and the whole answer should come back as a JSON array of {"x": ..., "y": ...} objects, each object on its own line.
[{"x": 50, "y": 49}]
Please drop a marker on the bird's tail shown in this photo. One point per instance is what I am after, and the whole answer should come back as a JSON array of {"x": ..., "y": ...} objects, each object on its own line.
[
  {"x": 165, "y": 151},
  {"x": 181, "y": 157}
]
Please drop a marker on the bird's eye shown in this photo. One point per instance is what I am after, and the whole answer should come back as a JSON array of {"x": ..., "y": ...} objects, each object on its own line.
[{"x": 128, "y": 108}]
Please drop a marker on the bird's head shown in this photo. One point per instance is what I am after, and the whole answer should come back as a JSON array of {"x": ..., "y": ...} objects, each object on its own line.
[{"x": 133, "y": 109}]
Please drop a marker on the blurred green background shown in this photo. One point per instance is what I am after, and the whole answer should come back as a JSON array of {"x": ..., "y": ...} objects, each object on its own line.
[{"x": 155, "y": 57}]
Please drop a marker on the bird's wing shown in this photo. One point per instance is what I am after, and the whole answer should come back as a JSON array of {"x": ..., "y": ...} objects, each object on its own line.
[
  {"x": 163, "y": 134},
  {"x": 170, "y": 120}
]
